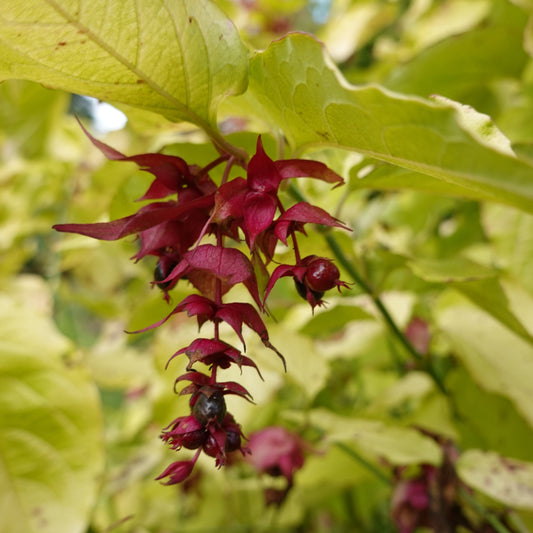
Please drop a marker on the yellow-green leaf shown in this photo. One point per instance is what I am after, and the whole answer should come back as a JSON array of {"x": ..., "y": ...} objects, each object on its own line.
[
  {"x": 398, "y": 445},
  {"x": 176, "y": 58},
  {"x": 51, "y": 441},
  {"x": 506, "y": 480},
  {"x": 497, "y": 359},
  {"x": 295, "y": 87}
]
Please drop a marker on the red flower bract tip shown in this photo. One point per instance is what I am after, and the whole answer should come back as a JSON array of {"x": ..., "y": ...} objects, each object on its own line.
[{"x": 178, "y": 471}]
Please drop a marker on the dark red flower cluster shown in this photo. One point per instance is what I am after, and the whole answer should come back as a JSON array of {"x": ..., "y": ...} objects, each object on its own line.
[{"x": 185, "y": 206}]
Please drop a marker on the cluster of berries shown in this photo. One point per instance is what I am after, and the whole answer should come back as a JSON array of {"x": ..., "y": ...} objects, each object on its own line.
[{"x": 186, "y": 206}]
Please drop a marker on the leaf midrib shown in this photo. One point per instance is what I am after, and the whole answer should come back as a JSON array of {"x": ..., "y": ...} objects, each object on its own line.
[{"x": 182, "y": 108}]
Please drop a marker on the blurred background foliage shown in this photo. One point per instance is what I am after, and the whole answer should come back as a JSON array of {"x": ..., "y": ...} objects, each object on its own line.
[{"x": 455, "y": 274}]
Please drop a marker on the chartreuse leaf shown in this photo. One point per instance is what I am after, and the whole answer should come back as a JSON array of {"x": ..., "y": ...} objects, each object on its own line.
[
  {"x": 51, "y": 450},
  {"x": 489, "y": 295},
  {"x": 177, "y": 58},
  {"x": 398, "y": 445},
  {"x": 465, "y": 63},
  {"x": 384, "y": 176},
  {"x": 507, "y": 480},
  {"x": 447, "y": 270},
  {"x": 477, "y": 282},
  {"x": 296, "y": 88},
  {"x": 511, "y": 233},
  {"x": 497, "y": 359},
  {"x": 330, "y": 321},
  {"x": 487, "y": 420}
]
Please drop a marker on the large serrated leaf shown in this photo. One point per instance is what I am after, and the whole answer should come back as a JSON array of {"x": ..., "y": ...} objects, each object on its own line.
[
  {"x": 51, "y": 443},
  {"x": 176, "y": 58},
  {"x": 294, "y": 86}
]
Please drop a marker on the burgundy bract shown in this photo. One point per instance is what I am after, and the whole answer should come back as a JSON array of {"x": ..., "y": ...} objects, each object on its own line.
[{"x": 185, "y": 208}]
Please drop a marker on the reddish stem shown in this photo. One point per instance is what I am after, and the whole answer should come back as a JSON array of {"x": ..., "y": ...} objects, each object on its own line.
[
  {"x": 213, "y": 164},
  {"x": 227, "y": 170},
  {"x": 218, "y": 295},
  {"x": 295, "y": 245},
  {"x": 292, "y": 234}
]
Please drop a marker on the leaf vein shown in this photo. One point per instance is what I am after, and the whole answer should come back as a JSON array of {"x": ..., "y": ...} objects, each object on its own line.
[{"x": 193, "y": 117}]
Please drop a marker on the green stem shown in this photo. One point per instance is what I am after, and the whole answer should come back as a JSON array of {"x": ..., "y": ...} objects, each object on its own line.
[
  {"x": 517, "y": 522},
  {"x": 483, "y": 512},
  {"x": 362, "y": 461},
  {"x": 384, "y": 312},
  {"x": 378, "y": 302},
  {"x": 225, "y": 147},
  {"x": 348, "y": 266}
]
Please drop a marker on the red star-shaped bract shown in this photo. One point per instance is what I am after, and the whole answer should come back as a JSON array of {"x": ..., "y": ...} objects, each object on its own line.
[
  {"x": 178, "y": 471},
  {"x": 214, "y": 352},
  {"x": 235, "y": 314},
  {"x": 147, "y": 217},
  {"x": 207, "y": 263},
  {"x": 199, "y": 380},
  {"x": 303, "y": 213},
  {"x": 172, "y": 173},
  {"x": 252, "y": 204}
]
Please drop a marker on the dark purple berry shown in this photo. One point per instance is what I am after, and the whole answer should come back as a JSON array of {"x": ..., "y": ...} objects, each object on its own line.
[
  {"x": 302, "y": 291},
  {"x": 208, "y": 408},
  {"x": 159, "y": 275},
  {"x": 321, "y": 275},
  {"x": 194, "y": 439},
  {"x": 233, "y": 441},
  {"x": 211, "y": 447}
]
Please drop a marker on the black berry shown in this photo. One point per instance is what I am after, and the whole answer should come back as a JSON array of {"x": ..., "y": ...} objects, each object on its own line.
[
  {"x": 302, "y": 289},
  {"x": 207, "y": 408}
]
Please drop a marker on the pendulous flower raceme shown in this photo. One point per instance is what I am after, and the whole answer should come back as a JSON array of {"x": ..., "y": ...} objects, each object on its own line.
[{"x": 186, "y": 205}]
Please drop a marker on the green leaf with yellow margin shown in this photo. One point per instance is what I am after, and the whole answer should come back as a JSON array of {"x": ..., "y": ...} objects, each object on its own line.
[
  {"x": 477, "y": 282},
  {"x": 175, "y": 58}
]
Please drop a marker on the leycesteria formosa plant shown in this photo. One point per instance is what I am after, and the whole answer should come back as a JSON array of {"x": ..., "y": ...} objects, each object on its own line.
[{"x": 186, "y": 206}]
